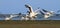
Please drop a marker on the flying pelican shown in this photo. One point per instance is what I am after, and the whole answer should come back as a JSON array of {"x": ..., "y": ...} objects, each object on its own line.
[
  {"x": 31, "y": 14},
  {"x": 11, "y": 16},
  {"x": 47, "y": 13}
]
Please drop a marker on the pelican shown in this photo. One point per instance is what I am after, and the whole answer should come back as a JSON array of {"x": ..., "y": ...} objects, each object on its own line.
[
  {"x": 31, "y": 13},
  {"x": 47, "y": 13},
  {"x": 11, "y": 16}
]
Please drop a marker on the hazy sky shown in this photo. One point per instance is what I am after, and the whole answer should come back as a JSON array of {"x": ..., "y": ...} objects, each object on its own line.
[{"x": 16, "y": 6}]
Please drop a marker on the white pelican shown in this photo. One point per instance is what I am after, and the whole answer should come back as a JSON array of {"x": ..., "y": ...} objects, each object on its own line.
[
  {"x": 31, "y": 14},
  {"x": 48, "y": 13}
]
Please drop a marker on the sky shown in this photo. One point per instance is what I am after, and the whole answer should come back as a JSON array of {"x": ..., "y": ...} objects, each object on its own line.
[{"x": 17, "y": 6}]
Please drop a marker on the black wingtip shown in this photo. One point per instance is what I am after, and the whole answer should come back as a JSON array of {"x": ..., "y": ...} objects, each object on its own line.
[
  {"x": 44, "y": 10},
  {"x": 41, "y": 12}
]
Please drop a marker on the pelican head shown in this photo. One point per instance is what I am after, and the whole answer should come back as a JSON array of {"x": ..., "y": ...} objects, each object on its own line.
[{"x": 27, "y": 6}]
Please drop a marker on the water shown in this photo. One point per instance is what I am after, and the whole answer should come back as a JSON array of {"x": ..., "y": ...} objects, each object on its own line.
[{"x": 55, "y": 17}]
